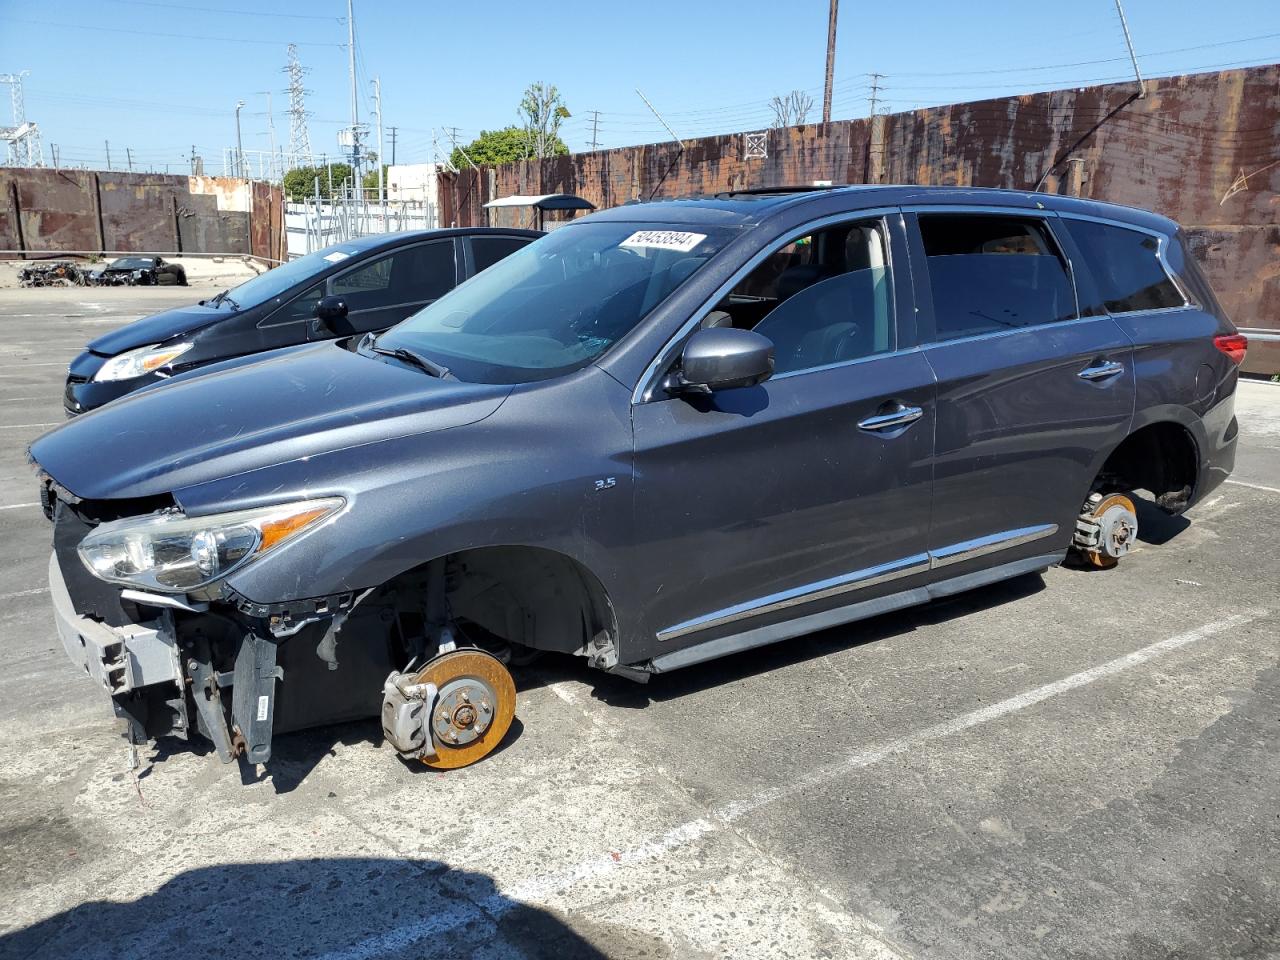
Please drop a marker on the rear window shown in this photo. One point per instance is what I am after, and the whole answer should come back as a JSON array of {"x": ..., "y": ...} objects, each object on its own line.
[
  {"x": 1125, "y": 266},
  {"x": 992, "y": 273}
]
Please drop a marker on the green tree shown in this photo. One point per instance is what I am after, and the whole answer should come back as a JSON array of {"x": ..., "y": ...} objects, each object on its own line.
[
  {"x": 502, "y": 146},
  {"x": 299, "y": 183},
  {"x": 371, "y": 179}
]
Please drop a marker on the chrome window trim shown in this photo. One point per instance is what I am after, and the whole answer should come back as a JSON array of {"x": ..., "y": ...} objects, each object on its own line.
[
  {"x": 1162, "y": 244},
  {"x": 1014, "y": 331},
  {"x": 860, "y": 579},
  {"x": 649, "y": 381},
  {"x": 846, "y": 363}
]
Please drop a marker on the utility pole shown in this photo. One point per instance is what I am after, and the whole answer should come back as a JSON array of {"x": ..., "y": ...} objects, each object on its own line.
[
  {"x": 874, "y": 98},
  {"x": 239, "y": 142},
  {"x": 53, "y": 148},
  {"x": 377, "y": 106},
  {"x": 595, "y": 127},
  {"x": 393, "y": 146},
  {"x": 355, "y": 101},
  {"x": 107, "y": 144},
  {"x": 831, "y": 61},
  {"x": 128, "y": 156},
  {"x": 1124, "y": 25},
  {"x": 271, "y": 132}
]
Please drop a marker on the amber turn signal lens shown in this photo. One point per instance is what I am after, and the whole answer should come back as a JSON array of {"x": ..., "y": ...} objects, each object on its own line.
[{"x": 277, "y": 530}]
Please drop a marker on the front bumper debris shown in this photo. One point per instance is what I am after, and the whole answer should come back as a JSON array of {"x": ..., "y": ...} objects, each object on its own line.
[{"x": 120, "y": 659}]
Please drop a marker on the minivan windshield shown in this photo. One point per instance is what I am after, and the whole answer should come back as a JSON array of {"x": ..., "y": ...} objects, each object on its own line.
[
  {"x": 258, "y": 290},
  {"x": 560, "y": 302}
]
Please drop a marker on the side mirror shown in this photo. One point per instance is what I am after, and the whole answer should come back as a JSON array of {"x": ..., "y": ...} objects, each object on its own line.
[
  {"x": 330, "y": 310},
  {"x": 720, "y": 358}
]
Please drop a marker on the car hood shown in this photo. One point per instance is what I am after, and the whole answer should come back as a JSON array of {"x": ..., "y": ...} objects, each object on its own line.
[
  {"x": 302, "y": 404},
  {"x": 158, "y": 328}
]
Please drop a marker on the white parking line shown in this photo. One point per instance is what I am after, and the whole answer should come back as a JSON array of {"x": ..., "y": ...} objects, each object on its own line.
[
  {"x": 21, "y": 399},
  {"x": 19, "y": 426},
  {"x": 42, "y": 363},
  {"x": 23, "y": 593},
  {"x": 544, "y": 886},
  {"x": 18, "y": 506},
  {"x": 1254, "y": 486}
]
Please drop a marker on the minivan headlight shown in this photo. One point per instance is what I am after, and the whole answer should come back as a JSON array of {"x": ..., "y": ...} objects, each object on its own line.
[
  {"x": 174, "y": 553},
  {"x": 136, "y": 363}
]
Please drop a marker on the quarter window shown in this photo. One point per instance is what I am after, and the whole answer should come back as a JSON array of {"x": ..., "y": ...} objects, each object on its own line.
[
  {"x": 822, "y": 299},
  {"x": 1126, "y": 267},
  {"x": 992, "y": 273}
]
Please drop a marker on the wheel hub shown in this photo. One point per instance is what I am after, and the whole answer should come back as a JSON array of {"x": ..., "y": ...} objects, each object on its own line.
[
  {"x": 474, "y": 708},
  {"x": 1107, "y": 529}
]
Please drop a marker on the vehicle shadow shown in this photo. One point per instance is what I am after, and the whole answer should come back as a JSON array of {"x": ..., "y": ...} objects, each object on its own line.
[
  {"x": 359, "y": 907},
  {"x": 619, "y": 692}
]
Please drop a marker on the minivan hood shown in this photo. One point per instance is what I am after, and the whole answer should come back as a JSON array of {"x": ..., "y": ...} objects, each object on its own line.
[
  {"x": 158, "y": 328},
  {"x": 301, "y": 404}
]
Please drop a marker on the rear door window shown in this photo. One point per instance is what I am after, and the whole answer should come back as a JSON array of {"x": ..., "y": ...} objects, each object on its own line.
[
  {"x": 989, "y": 273},
  {"x": 486, "y": 251},
  {"x": 1126, "y": 267},
  {"x": 411, "y": 275}
]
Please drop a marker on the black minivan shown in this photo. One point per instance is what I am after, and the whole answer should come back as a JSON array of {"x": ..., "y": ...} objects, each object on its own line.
[{"x": 359, "y": 286}]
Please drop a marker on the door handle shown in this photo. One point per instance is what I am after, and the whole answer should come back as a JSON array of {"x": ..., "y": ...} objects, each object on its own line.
[
  {"x": 1101, "y": 371},
  {"x": 887, "y": 421}
]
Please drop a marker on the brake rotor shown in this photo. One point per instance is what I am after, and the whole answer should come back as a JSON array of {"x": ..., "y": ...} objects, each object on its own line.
[
  {"x": 1117, "y": 521},
  {"x": 473, "y": 710}
]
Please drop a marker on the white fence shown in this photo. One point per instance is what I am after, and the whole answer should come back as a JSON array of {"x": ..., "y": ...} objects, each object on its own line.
[{"x": 314, "y": 224}]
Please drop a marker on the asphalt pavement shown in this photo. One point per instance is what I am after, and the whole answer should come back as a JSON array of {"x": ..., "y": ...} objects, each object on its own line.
[{"x": 1084, "y": 764}]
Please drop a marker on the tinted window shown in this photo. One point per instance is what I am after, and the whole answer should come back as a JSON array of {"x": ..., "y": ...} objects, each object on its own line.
[
  {"x": 821, "y": 299},
  {"x": 1125, "y": 266},
  {"x": 301, "y": 307},
  {"x": 990, "y": 273},
  {"x": 411, "y": 275},
  {"x": 486, "y": 251}
]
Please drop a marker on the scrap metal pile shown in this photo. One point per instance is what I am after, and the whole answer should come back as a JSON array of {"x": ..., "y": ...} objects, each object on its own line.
[{"x": 60, "y": 274}]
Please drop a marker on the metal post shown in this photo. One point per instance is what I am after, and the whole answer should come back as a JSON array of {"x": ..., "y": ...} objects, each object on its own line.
[
  {"x": 1124, "y": 25},
  {"x": 128, "y": 155},
  {"x": 107, "y": 144},
  {"x": 239, "y": 142},
  {"x": 382, "y": 197},
  {"x": 831, "y": 61}
]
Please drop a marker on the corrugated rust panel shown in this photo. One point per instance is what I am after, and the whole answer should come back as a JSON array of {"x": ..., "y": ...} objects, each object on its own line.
[
  {"x": 136, "y": 210},
  {"x": 56, "y": 208}
]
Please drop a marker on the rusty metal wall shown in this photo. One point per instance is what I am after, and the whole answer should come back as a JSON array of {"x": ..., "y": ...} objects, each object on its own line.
[
  {"x": 77, "y": 210},
  {"x": 1203, "y": 149}
]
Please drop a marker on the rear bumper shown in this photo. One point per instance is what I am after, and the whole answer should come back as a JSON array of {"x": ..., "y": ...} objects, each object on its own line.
[{"x": 120, "y": 659}]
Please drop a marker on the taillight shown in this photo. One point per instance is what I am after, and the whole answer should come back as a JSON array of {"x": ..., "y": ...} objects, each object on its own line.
[{"x": 1233, "y": 345}]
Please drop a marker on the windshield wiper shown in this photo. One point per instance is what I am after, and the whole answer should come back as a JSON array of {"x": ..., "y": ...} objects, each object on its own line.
[
  {"x": 221, "y": 298},
  {"x": 412, "y": 357}
]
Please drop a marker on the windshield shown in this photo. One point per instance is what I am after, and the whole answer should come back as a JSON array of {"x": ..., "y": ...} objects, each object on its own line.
[
  {"x": 274, "y": 282},
  {"x": 560, "y": 302},
  {"x": 131, "y": 263}
]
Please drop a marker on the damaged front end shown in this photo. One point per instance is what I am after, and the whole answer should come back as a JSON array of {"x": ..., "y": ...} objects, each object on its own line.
[{"x": 201, "y": 659}]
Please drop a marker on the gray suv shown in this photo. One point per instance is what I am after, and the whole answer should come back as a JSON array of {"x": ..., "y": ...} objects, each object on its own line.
[{"x": 659, "y": 435}]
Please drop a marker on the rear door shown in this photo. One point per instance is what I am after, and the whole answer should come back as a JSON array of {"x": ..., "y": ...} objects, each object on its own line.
[
  {"x": 810, "y": 491},
  {"x": 383, "y": 290},
  {"x": 1030, "y": 392}
]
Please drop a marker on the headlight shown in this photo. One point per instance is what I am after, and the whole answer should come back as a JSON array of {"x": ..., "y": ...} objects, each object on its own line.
[
  {"x": 174, "y": 553},
  {"x": 136, "y": 363}
]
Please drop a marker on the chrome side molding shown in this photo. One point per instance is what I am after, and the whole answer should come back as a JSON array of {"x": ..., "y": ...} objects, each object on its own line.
[{"x": 861, "y": 579}]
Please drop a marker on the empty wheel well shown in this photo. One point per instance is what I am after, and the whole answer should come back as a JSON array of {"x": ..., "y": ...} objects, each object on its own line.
[
  {"x": 1161, "y": 458},
  {"x": 529, "y": 596}
]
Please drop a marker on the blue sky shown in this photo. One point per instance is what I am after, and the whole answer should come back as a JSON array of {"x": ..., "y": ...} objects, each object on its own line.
[{"x": 158, "y": 77}]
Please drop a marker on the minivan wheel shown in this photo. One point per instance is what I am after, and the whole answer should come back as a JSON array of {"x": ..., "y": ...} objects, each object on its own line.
[
  {"x": 1106, "y": 529},
  {"x": 473, "y": 709}
]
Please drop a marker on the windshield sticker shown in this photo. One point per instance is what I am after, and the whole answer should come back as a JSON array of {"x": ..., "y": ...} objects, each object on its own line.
[
  {"x": 336, "y": 257},
  {"x": 664, "y": 240}
]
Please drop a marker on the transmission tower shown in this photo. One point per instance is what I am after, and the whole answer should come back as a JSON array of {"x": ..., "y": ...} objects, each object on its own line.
[
  {"x": 299, "y": 141},
  {"x": 23, "y": 138}
]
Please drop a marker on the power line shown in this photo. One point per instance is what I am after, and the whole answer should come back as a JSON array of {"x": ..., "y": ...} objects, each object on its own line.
[
  {"x": 98, "y": 28},
  {"x": 224, "y": 10}
]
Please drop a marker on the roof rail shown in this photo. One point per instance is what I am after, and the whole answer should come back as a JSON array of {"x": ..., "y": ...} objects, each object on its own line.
[{"x": 768, "y": 191}]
